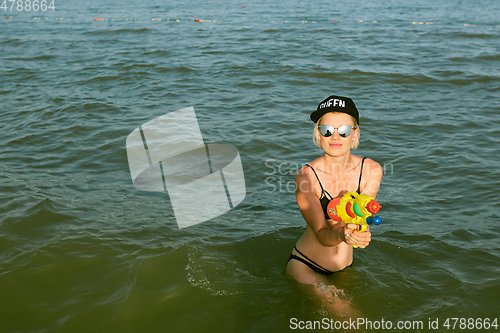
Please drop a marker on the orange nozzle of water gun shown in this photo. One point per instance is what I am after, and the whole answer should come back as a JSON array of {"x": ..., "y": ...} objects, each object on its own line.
[{"x": 373, "y": 207}]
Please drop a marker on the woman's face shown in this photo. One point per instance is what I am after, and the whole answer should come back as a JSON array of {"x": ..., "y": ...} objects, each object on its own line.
[{"x": 336, "y": 145}]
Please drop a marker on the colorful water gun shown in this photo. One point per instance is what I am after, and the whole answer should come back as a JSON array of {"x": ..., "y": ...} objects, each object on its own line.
[{"x": 355, "y": 208}]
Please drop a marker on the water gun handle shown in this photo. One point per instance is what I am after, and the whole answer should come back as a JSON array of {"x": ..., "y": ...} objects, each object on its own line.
[{"x": 361, "y": 228}]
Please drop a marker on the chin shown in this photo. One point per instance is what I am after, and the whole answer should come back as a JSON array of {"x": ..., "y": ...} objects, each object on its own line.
[{"x": 338, "y": 150}]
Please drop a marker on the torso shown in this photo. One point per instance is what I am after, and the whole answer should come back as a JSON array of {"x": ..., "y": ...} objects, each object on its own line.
[
  {"x": 333, "y": 258},
  {"x": 340, "y": 256}
]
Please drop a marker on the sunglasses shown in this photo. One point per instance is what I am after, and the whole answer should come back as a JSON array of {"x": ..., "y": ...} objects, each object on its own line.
[{"x": 327, "y": 130}]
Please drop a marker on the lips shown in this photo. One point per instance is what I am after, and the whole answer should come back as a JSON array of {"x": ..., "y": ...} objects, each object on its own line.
[{"x": 335, "y": 145}]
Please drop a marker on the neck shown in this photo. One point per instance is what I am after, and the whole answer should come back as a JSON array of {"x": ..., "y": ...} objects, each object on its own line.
[{"x": 336, "y": 164}]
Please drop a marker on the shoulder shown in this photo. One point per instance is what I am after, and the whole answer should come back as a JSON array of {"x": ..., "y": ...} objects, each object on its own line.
[
  {"x": 371, "y": 167},
  {"x": 367, "y": 165},
  {"x": 305, "y": 173},
  {"x": 372, "y": 177},
  {"x": 305, "y": 178}
]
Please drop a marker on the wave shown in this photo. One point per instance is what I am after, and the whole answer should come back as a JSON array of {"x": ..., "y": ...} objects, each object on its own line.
[
  {"x": 472, "y": 35},
  {"x": 41, "y": 57},
  {"x": 117, "y": 32},
  {"x": 180, "y": 69},
  {"x": 367, "y": 77},
  {"x": 489, "y": 57},
  {"x": 158, "y": 53}
]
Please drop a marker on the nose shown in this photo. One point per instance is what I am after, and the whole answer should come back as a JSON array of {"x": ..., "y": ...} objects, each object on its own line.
[{"x": 335, "y": 135}]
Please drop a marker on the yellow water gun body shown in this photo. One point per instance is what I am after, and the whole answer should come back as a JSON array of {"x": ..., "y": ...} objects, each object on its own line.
[{"x": 356, "y": 209}]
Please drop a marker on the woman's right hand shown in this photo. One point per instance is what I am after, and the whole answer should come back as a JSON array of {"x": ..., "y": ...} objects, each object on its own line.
[
  {"x": 353, "y": 237},
  {"x": 348, "y": 229}
]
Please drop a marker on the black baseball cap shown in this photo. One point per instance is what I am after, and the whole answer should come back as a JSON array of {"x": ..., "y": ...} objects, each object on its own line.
[{"x": 336, "y": 104}]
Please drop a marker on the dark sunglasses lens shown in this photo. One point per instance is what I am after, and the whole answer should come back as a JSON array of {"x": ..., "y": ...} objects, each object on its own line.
[
  {"x": 344, "y": 131},
  {"x": 326, "y": 130}
]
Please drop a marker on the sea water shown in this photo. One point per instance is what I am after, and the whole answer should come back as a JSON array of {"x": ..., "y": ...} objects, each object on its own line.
[{"x": 82, "y": 249}]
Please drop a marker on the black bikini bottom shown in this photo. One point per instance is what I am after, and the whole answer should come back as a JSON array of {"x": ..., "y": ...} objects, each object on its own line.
[{"x": 310, "y": 263}]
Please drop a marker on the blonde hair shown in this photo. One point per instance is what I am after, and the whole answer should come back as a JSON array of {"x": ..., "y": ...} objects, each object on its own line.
[{"x": 316, "y": 134}]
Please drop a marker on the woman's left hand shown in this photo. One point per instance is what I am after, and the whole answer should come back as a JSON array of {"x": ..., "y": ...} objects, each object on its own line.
[{"x": 354, "y": 237}]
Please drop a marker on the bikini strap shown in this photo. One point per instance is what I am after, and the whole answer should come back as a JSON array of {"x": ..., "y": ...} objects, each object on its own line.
[
  {"x": 360, "y": 174},
  {"x": 319, "y": 181},
  {"x": 319, "y": 267}
]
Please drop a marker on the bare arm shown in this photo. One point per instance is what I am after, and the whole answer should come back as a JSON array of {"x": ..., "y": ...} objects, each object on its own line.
[
  {"x": 328, "y": 232},
  {"x": 372, "y": 173}
]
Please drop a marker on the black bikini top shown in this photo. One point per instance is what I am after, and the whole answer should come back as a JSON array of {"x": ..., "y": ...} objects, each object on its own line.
[{"x": 324, "y": 200}]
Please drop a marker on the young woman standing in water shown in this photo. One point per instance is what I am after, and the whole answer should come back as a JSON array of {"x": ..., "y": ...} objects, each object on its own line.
[{"x": 326, "y": 245}]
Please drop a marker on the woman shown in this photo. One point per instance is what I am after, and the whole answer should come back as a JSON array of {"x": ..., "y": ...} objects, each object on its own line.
[{"x": 327, "y": 246}]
